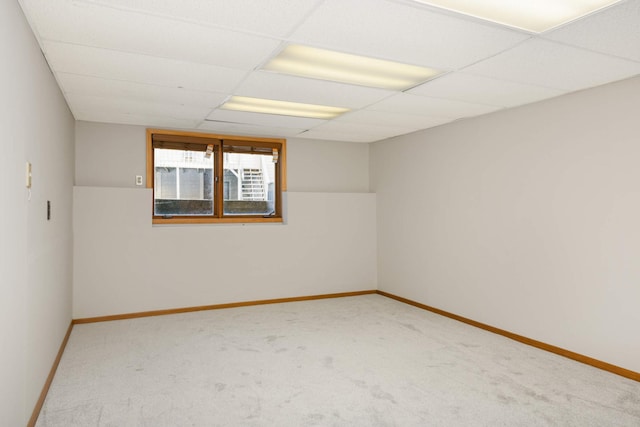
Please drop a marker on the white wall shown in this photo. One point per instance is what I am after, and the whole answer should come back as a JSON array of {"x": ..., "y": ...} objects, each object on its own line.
[
  {"x": 109, "y": 155},
  {"x": 333, "y": 166},
  {"x": 35, "y": 254},
  {"x": 123, "y": 264},
  {"x": 527, "y": 220}
]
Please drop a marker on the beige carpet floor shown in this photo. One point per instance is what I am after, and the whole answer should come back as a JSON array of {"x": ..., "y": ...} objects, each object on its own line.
[{"x": 357, "y": 361}]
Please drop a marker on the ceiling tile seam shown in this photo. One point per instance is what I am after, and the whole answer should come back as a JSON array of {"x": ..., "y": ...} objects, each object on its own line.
[
  {"x": 402, "y": 127},
  {"x": 351, "y": 137},
  {"x": 199, "y": 123},
  {"x": 148, "y": 55},
  {"x": 316, "y": 125},
  {"x": 520, "y": 82},
  {"x": 444, "y": 98},
  {"x": 143, "y": 118},
  {"x": 275, "y": 53},
  {"x": 495, "y": 79},
  {"x": 517, "y": 44},
  {"x": 410, "y": 115},
  {"x": 454, "y": 99},
  {"x": 371, "y": 107},
  {"x": 381, "y": 126},
  {"x": 584, "y": 17},
  {"x": 151, "y": 115},
  {"x": 155, "y": 85},
  {"x": 367, "y": 106},
  {"x": 283, "y": 40},
  {"x": 359, "y": 53},
  {"x": 253, "y": 125},
  {"x": 303, "y": 19},
  {"x": 461, "y": 16},
  {"x": 575, "y": 91},
  {"x": 133, "y": 82},
  {"x": 289, "y": 39},
  {"x": 247, "y": 123},
  {"x": 392, "y": 92},
  {"x": 586, "y": 49},
  {"x": 465, "y": 103},
  {"x": 233, "y": 92},
  {"x": 501, "y": 79},
  {"x": 281, "y": 46},
  {"x": 137, "y": 101},
  {"x": 432, "y": 79},
  {"x": 179, "y": 19}
]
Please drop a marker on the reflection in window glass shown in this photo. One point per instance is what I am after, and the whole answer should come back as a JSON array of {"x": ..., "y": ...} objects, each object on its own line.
[
  {"x": 166, "y": 183},
  {"x": 183, "y": 182},
  {"x": 249, "y": 184}
]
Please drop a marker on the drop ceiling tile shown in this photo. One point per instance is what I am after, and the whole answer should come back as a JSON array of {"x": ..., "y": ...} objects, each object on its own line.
[
  {"x": 110, "y": 64},
  {"x": 134, "y": 119},
  {"x": 361, "y": 128},
  {"x": 116, "y": 105},
  {"x": 263, "y": 84},
  {"x": 409, "y": 33},
  {"x": 105, "y": 27},
  {"x": 344, "y": 136},
  {"x": 379, "y": 118},
  {"x": 355, "y": 132},
  {"x": 615, "y": 31},
  {"x": 404, "y": 103},
  {"x": 249, "y": 130},
  {"x": 173, "y": 78},
  {"x": 553, "y": 65},
  {"x": 484, "y": 90},
  {"x": 264, "y": 119},
  {"x": 337, "y": 136},
  {"x": 94, "y": 86},
  {"x": 272, "y": 17}
]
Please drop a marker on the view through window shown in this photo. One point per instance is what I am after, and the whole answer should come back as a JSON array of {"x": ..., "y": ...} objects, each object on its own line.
[{"x": 214, "y": 178}]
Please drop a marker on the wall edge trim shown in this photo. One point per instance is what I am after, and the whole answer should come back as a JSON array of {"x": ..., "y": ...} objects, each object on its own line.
[
  {"x": 136, "y": 315},
  {"x": 45, "y": 389},
  {"x": 599, "y": 364}
]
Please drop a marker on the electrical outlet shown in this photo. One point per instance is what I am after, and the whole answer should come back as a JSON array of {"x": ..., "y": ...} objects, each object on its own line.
[{"x": 138, "y": 179}]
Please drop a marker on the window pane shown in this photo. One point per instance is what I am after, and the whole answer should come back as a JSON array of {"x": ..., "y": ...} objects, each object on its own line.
[
  {"x": 183, "y": 182},
  {"x": 166, "y": 183},
  {"x": 249, "y": 184}
]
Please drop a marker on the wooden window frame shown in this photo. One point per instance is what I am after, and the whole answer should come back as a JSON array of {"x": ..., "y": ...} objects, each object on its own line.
[{"x": 177, "y": 139}]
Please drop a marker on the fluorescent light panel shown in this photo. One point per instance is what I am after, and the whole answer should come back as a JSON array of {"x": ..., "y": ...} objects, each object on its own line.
[
  {"x": 534, "y": 16},
  {"x": 283, "y": 108},
  {"x": 305, "y": 61}
]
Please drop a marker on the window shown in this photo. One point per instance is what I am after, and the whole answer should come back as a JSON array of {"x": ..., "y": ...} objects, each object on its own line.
[{"x": 199, "y": 177}]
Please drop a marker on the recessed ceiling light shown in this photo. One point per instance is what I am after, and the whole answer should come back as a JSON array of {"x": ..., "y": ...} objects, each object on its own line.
[
  {"x": 324, "y": 64},
  {"x": 283, "y": 108},
  {"x": 535, "y": 16}
]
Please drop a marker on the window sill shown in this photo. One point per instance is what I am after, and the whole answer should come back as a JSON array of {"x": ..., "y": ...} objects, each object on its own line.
[{"x": 203, "y": 220}]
